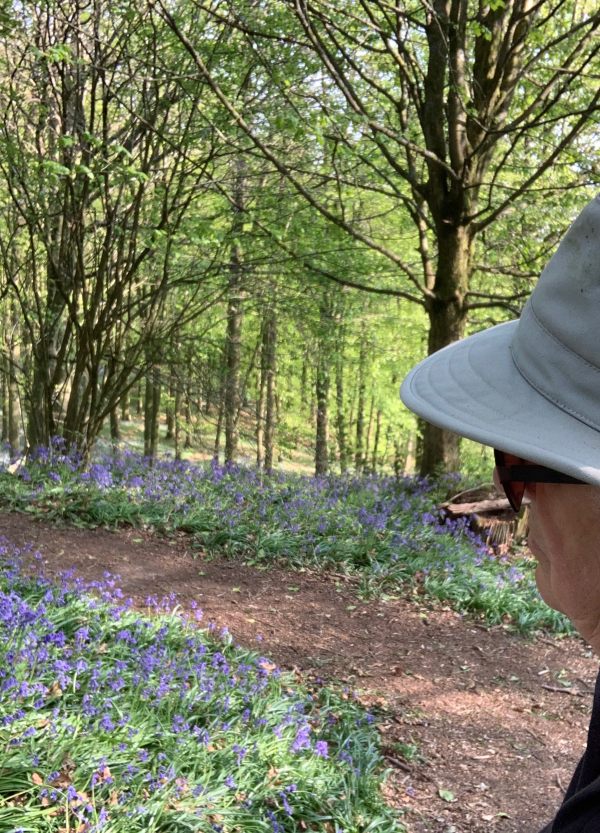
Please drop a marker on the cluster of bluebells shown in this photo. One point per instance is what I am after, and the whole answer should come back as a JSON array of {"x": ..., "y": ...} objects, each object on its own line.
[
  {"x": 385, "y": 528},
  {"x": 323, "y": 519},
  {"x": 122, "y": 719}
]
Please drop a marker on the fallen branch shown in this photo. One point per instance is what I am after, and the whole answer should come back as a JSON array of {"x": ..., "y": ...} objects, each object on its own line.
[{"x": 574, "y": 692}]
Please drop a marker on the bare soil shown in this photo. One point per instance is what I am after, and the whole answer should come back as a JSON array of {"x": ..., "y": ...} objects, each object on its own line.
[{"x": 481, "y": 728}]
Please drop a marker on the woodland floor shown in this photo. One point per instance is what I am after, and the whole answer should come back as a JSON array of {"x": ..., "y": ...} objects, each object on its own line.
[{"x": 496, "y": 722}]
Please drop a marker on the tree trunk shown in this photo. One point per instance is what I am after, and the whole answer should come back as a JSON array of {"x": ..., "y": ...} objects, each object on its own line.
[
  {"x": 170, "y": 421},
  {"x": 398, "y": 460},
  {"x": 374, "y": 458},
  {"x": 170, "y": 409},
  {"x": 359, "y": 459},
  {"x": 14, "y": 405},
  {"x": 369, "y": 432},
  {"x": 260, "y": 406},
  {"x": 219, "y": 430},
  {"x": 260, "y": 398},
  {"x": 233, "y": 341},
  {"x": 304, "y": 395},
  {"x": 40, "y": 421},
  {"x": 231, "y": 403},
  {"x": 188, "y": 419},
  {"x": 389, "y": 438},
  {"x": 151, "y": 411},
  {"x": 440, "y": 450},
  {"x": 270, "y": 364},
  {"x": 340, "y": 417},
  {"x": 115, "y": 428},
  {"x": 322, "y": 417},
  {"x": 5, "y": 404},
  {"x": 125, "y": 413},
  {"x": 212, "y": 375},
  {"x": 177, "y": 429}
]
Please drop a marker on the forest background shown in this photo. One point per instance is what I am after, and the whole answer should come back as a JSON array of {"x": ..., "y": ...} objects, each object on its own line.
[{"x": 249, "y": 219}]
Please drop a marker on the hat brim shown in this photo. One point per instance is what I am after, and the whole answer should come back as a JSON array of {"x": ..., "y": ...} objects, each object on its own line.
[{"x": 473, "y": 387}]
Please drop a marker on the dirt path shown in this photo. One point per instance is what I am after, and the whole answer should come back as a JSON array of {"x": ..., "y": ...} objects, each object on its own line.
[{"x": 480, "y": 732}]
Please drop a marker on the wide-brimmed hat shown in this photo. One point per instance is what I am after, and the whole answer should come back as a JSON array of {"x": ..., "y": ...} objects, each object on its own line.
[{"x": 530, "y": 387}]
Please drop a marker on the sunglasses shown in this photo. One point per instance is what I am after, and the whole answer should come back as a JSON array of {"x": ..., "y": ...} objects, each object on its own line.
[{"x": 514, "y": 474}]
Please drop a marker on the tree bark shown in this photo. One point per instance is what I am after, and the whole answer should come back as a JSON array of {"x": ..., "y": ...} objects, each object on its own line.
[
  {"x": 170, "y": 413},
  {"x": 375, "y": 458},
  {"x": 270, "y": 365},
  {"x": 304, "y": 397},
  {"x": 177, "y": 426},
  {"x": 322, "y": 415},
  {"x": 233, "y": 341},
  {"x": 359, "y": 459},
  {"x": 115, "y": 427},
  {"x": 440, "y": 449},
  {"x": 188, "y": 419},
  {"x": 14, "y": 403},
  {"x": 125, "y": 412},
  {"x": 369, "y": 432},
  {"x": 5, "y": 404},
  {"x": 340, "y": 416},
  {"x": 260, "y": 402},
  {"x": 151, "y": 410},
  {"x": 219, "y": 430},
  {"x": 139, "y": 398}
]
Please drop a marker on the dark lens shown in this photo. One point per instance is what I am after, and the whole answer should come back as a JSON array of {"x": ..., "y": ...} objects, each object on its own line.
[{"x": 514, "y": 490}]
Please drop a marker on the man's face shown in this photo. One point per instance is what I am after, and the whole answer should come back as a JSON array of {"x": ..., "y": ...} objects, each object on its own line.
[{"x": 564, "y": 536}]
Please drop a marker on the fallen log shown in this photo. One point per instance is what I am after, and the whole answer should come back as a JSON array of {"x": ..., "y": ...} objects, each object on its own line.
[
  {"x": 489, "y": 515},
  {"x": 477, "y": 507}
]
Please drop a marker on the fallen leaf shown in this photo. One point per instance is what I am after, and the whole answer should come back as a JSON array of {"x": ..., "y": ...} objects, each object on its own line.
[
  {"x": 54, "y": 690},
  {"x": 446, "y": 795}
]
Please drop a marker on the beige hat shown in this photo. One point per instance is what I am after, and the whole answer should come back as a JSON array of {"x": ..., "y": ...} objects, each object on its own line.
[{"x": 530, "y": 387}]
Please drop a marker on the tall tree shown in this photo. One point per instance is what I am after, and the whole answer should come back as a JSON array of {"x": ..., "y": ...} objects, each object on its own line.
[
  {"x": 269, "y": 367},
  {"x": 231, "y": 399}
]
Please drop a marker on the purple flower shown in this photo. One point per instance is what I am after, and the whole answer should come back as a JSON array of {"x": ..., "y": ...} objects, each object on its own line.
[{"x": 302, "y": 739}]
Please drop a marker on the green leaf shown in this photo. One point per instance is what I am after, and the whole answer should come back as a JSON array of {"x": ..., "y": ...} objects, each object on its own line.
[
  {"x": 446, "y": 795},
  {"x": 55, "y": 168},
  {"x": 59, "y": 52},
  {"x": 83, "y": 169},
  {"x": 136, "y": 174},
  {"x": 122, "y": 151}
]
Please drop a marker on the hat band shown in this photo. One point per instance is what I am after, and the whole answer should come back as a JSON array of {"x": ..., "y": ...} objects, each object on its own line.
[{"x": 562, "y": 376}]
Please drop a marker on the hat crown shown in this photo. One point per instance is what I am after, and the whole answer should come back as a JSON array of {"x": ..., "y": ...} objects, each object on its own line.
[
  {"x": 556, "y": 347},
  {"x": 566, "y": 299}
]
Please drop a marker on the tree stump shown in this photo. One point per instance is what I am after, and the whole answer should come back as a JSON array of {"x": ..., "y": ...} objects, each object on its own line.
[{"x": 490, "y": 515}]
